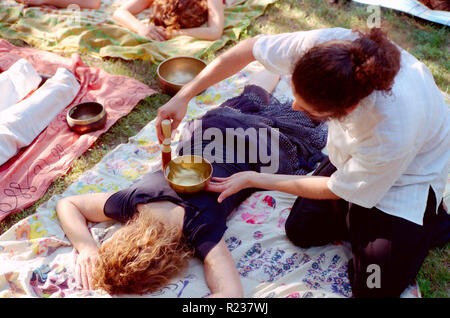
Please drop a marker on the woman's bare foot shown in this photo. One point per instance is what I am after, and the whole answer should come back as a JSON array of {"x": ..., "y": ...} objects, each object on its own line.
[{"x": 264, "y": 79}]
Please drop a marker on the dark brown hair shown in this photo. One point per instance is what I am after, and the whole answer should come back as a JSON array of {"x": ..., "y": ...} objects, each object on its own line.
[
  {"x": 443, "y": 5},
  {"x": 179, "y": 14},
  {"x": 336, "y": 75}
]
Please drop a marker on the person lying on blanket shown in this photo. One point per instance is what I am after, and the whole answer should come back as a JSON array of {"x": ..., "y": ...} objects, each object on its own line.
[
  {"x": 172, "y": 18},
  {"x": 388, "y": 146},
  {"x": 162, "y": 227},
  {"x": 86, "y": 4}
]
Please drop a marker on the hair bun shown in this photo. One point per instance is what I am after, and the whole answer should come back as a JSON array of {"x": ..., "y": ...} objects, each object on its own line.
[{"x": 375, "y": 60}]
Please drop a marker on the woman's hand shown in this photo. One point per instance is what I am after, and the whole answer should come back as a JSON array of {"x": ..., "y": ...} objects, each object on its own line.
[
  {"x": 232, "y": 184},
  {"x": 152, "y": 32},
  {"x": 85, "y": 266},
  {"x": 171, "y": 33},
  {"x": 174, "y": 110}
]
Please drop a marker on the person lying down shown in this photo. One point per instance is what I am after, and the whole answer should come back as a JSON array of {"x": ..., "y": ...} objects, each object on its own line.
[{"x": 162, "y": 229}]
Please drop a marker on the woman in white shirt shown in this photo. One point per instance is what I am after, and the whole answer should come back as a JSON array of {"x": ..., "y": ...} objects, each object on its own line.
[{"x": 388, "y": 146}]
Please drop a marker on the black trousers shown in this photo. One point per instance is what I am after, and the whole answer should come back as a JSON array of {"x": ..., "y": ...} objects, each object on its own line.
[{"x": 388, "y": 251}]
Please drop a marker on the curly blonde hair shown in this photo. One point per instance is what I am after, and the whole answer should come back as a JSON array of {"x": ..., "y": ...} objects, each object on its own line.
[
  {"x": 178, "y": 14},
  {"x": 140, "y": 257}
]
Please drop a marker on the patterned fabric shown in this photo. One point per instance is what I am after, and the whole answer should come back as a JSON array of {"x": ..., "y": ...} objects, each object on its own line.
[
  {"x": 36, "y": 259},
  {"x": 72, "y": 30}
]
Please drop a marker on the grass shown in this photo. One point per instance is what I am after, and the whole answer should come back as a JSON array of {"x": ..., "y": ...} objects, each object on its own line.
[{"x": 429, "y": 42}]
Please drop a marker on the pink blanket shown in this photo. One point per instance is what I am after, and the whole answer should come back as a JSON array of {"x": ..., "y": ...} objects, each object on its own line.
[{"x": 25, "y": 177}]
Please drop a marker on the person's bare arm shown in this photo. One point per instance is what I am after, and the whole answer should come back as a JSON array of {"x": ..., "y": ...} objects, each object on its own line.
[
  {"x": 125, "y": 16},
  {"x": 214, "y": 29},
  {"x": 73, "y": 213},
  {"x": 219, "y": 69},
  {"x": 86, "y": 4},
  {"x": 310, "y": 187},
  {"x": 221, "y": 274}
]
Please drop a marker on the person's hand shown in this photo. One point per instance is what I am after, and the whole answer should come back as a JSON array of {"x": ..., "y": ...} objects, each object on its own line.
[
  {"x": 85, "y": 266},
  {"x": 232, "y": 184},
  {"x": 174, "y": 110},
  {"x": 171, "y": 33},
  {"x": 152, "y": 32}
]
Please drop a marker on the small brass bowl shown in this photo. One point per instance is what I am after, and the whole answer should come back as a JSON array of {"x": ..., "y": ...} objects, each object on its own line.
[
  {"x": 188, "y": 174},
  {"x": 177, "y": 71},
  {"x": 86, "y": 117}
]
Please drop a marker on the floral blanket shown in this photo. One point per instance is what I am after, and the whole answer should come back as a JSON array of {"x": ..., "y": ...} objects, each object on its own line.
[
  {"x": 94, "y": 31},
  {"x": 37, "y": 260}
]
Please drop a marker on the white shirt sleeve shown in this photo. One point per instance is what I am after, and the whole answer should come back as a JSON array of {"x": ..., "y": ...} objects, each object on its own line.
[{"x": 279, "y": 53}]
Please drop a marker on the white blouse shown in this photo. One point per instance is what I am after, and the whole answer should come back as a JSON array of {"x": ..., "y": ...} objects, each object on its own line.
[{"x": 392, "y": 147}]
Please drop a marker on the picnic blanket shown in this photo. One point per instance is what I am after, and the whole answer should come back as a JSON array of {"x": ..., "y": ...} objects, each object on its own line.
[
  {"x": 413, "y": 7},
  {"x": 37, "y": 260},
  {"x": 72, "y": 30},
  {"x": 27, "y": 175}
]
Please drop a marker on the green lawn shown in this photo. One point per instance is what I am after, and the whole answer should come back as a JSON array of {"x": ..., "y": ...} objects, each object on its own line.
[{"x": 429, "y": 42}]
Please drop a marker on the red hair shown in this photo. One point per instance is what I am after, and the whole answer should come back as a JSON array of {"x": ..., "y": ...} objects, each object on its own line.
[{"x": 179, "y": 14}]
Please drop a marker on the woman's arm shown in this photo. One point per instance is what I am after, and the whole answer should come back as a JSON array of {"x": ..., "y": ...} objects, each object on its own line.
[
  {"x": 214, "y": 29},
  {"x": 125, "y": 16},
  {"x": 220, "y": 68},
  {"x": 73, "y": 212},
  {"x": 221, "y": 274},
  {"x": 310, "y": 187}
]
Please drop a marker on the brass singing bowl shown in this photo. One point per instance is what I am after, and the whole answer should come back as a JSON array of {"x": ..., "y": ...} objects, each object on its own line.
[
  {"x": 177, "y": 71},
  {"x": 86, "y": 117},
  {"x": 188, "y": 174}
]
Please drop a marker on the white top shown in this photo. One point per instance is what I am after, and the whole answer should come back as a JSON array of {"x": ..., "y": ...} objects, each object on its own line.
[{"x": 392, "y": 147}]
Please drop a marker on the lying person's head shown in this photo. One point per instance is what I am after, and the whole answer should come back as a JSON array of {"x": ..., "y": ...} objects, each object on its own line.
[
  {"x": 331, "y": 79},
  {"x": 142, "y": 256},
  {"x": 180, "y": 14}
]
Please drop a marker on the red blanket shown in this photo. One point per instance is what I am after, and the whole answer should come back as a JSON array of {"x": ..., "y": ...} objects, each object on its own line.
[{"x": 25, "y": 177}]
